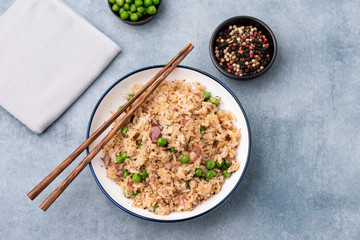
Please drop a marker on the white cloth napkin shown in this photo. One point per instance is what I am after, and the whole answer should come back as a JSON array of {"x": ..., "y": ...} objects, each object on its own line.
[{"x": 49, "y": 55}]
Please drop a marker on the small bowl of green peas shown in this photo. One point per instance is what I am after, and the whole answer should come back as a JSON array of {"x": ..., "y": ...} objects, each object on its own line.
[{"x": 134, "y": 12}]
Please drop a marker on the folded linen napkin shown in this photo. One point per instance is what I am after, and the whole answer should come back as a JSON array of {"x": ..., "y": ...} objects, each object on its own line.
[{"x": 49, "y": 55}]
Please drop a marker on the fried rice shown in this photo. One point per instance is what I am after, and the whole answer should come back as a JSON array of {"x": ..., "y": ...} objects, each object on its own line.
[{"x": 175, "y": 111}]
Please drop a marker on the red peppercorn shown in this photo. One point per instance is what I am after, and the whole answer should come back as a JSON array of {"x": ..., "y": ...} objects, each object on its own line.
[{"x": 255, "y": 52}]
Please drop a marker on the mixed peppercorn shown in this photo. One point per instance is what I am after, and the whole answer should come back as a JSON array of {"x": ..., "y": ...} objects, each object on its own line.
[{"x": 242, "y": 50}]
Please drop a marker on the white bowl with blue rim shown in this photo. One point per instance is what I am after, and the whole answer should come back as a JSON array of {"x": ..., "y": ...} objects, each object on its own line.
[{"x": 115, "y": 97}]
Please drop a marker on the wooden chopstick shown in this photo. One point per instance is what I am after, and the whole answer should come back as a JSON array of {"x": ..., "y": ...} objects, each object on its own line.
[
  {"x": 56, "y": 193},
  {"x": 48, "y": 179}
]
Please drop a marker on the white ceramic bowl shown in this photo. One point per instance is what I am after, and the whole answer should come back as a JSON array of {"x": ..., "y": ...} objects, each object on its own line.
[{"x": 114, "y": 97}]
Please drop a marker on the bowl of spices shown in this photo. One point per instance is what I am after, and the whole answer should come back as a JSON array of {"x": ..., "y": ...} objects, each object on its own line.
[
  {"x": 243, "y": 47},
  {"x": 134, "y": 12}
]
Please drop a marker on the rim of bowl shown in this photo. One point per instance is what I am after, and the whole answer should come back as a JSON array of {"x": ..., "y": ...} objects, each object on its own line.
[
  {"x": 226, "y": 22},
  {"x": 182, "y": 219},
  {"x": 145, "y": 20}
]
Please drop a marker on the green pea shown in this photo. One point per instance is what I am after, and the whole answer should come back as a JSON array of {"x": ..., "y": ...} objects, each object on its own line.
[
  {"x": 126, "y": 6},
  {"x": 129, "y": 12},
  {"x": 124, "y": 155},
  {"x": 210, "y": 174},
  {"x": 188, "y": 183},
  {"x": 202, "y": 129},
  {"x": 227, "y": 164},
  {"x": 145, "y": 13},
  {"x": 151, "y": 10},
  {"x": 148, "y": 3},
  {"x": 132, "y": 8},
  {"x": 136, "y": 178},
  {"x": 202, "y": 179},
  {"x": 128, "y": 1},
  {"x": 173, "y": 150},
  {"x": 185, "y": 159},
  {"x": 126, "y": 173},
  {"x": 198, "y": 172},
  {"x": 141, "y": 10},
  {"x": 135, "y": 193},
  {"x": 226, "y": 174},
  {"x": 155, "y": 207},
  {"x": 210, "y": 164},
  {"x": 124, "y": 15},
  {"x": 139, "y": 146},
  {"x": 112, "y": 1},
  {"x": 130, "y": 95},
  {"x": 216, "y": 112},
  {"x": 139, "y": 14},
  {"x": 156, "y": 2},
  {"x": 218, "y": 164},
  {"x": 120, "y": 2},
  {"x": 143, "y": 174},
  {"x": 161, "y": 141},
  {"x": 139, "y": 3},
  {"x": 124, "y": 191},
  {"x": 124, "y": 130},
  {"x": 206, "y": 96},
  {"x": 115, "y": 7},
  {"x": 119, "y": 159},
  {"x": 214, "y": 101}
]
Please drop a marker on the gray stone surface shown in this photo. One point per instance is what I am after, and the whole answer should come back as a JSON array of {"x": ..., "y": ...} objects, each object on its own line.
[{"x": 303, "y": 180}]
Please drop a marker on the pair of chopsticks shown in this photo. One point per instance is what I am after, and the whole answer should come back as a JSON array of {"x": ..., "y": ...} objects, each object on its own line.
[{"x": 150, "y": 86}]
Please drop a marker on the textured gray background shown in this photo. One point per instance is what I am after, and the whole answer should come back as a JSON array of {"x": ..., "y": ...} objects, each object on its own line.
[{"x": 303, "y": 180}]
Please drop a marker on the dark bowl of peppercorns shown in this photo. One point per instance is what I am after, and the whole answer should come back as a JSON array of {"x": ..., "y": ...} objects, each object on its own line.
[
  {"x": 134, "y": 12},
  {"x": 243, "y": 47}
]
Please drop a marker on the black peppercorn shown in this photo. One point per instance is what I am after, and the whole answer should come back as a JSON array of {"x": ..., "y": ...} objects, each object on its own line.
[{"x": 241, "y": 50}]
